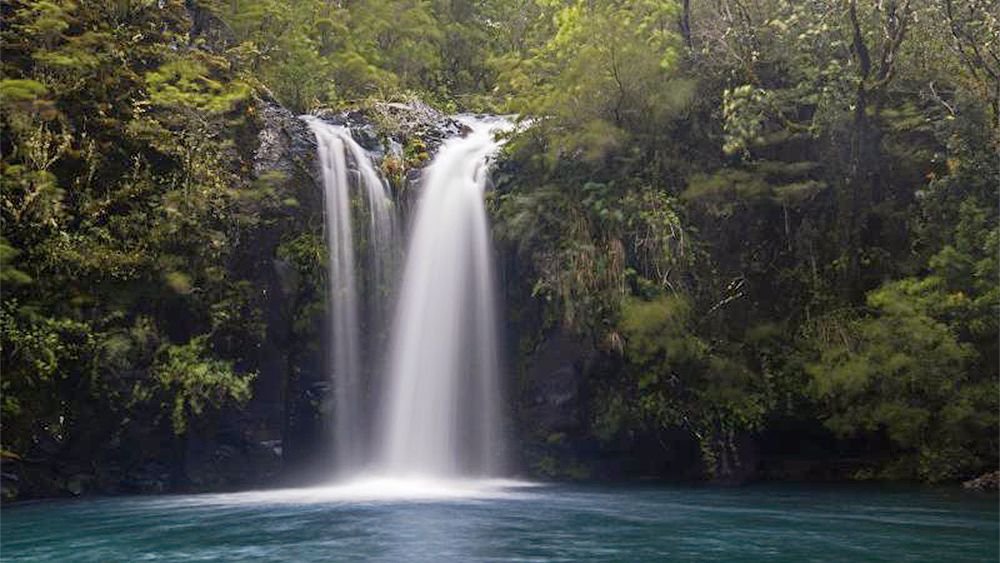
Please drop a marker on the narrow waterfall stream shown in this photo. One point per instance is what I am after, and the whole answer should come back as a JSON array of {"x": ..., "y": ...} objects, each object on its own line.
[
  {"x": 384, "y": 242},
  {"x": 347, "y": 362}
]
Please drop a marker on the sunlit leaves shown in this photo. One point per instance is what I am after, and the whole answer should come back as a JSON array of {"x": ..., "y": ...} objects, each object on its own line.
[
  {"x": 188, "y": 83},
  {"x": 21, "y": 90},
  {"x": 743, "y": 112},
  {"x": 606, "y": 67}
]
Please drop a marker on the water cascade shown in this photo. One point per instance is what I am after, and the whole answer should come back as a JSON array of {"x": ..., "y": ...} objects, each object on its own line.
[
  {"x": 334, "y": 146},
  {"x": 441, "y": 398},
  {"x": 383, "y": 243}
]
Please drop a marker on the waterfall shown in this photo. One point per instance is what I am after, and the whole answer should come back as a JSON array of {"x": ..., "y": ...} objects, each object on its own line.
[
  {"x": 383, "y": 244},
  {"x": 439, "y": 399},
  {"x": 441, "y": 414},
  {"x": 334, "y": 146}
]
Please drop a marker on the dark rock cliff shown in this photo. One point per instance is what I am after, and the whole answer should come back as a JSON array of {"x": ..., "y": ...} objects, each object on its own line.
[{"x": 253, "y": 444}]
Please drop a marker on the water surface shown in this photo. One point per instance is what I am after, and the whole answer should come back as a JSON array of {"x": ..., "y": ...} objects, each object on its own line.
[{"x": 502, "y": 521}]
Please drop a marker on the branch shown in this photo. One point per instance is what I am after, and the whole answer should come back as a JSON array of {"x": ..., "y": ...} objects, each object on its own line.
[
  {"x": 858, "y": 46},
  {"x": 894, "y": 28},
  {"x": 951, "y": 109}
]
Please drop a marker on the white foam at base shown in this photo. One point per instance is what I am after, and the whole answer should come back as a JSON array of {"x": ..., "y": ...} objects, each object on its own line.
[{"x": 375, "y": 489}]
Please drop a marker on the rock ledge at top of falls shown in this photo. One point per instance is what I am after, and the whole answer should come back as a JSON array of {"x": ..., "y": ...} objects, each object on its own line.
[
  {"x": 284, "y": 142},
  {"x": 381, "y": 126}
]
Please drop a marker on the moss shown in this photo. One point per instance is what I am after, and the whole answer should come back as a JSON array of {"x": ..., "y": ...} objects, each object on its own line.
[
  {"x": 415, "y": 153},
  {"x": 556, "y": 438}
]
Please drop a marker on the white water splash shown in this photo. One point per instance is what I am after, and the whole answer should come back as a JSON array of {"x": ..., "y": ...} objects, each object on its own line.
[{"x": 370, "y": 490}]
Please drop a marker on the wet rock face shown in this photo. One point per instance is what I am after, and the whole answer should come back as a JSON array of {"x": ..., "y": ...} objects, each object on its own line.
[
  {"x": 246, "y": 463},
  {"x": 552, "y": 410},
  {"x": 285, "y": 143},
  {"x": 552, "y": 394},
  {"x": 377, "y": 126},
  {"x": 737, "y": 461},
  {"x": 150, "y": 477},
  {"x": 260, "y": 440},
  {"x": 415, "y": 120}
]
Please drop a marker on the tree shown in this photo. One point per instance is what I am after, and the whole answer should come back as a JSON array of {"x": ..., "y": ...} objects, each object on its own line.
[
  {"x": 119, "y": 203},
  {"x": 604, "y": 71},
  {"x": 903, "y": 373}
]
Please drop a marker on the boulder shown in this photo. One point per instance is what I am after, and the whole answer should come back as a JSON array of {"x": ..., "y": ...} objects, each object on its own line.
[{"x": 985, "y": 482}]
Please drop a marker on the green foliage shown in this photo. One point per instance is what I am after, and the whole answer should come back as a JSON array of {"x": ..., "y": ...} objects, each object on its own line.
[
  {"x": 120, "y": 206},
  {"x": 773, "y": 212},
  {"x": 314, "y": 53},
  {"x": 20, "y": 90},
  {"x": 8, "y": 273},
  {"x": 188, "y": 380},
  {"x": 186, "y": 83},
  {"x": 589, "y": 242},
  {"x": 904, "y": 373},
  {"x": 676, "y": 379},
  {"x": 43, "y": 359},
  {"x": 833, "y": 166},
  {"x": 922, "y": 366},
  {"x": 607, "y": 66},
  {"x": 307, "y": 254}
]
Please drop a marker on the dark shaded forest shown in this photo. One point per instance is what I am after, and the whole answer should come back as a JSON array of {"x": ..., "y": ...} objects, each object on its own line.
[{"x": 739, "y": 239}]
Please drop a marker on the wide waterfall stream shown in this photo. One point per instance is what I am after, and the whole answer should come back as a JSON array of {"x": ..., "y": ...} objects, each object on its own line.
[{"x": 441, "y": 415}]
